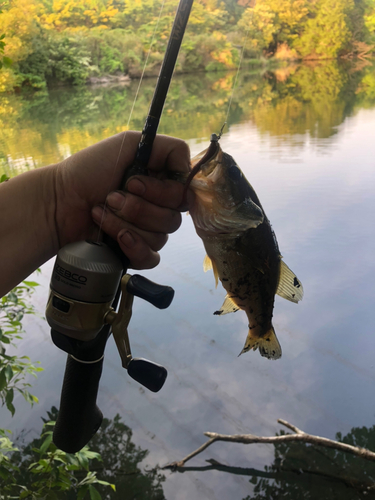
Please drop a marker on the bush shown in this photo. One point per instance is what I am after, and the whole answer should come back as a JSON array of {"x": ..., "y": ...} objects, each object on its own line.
[
  {"x": 207, "y": 53},
  {"x": 54, "y": 59},
  {"x": 115, "y": 51}
]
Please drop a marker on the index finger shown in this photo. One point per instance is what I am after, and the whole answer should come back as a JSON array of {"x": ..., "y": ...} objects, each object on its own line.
[
  {"x": 169, "y": 153},
  {"x": 163, "y": 193}
]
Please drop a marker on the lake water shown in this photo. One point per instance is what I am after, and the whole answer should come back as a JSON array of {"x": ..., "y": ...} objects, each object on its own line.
[{"x": 304, "y": 137}]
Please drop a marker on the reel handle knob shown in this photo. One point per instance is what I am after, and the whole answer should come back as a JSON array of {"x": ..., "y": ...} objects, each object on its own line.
[
  {"x": 147, "y": 373},
  {"x": 159, "y": 296}
]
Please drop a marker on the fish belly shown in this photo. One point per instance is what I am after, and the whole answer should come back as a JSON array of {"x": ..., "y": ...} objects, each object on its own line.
[{"x": 248, "y": 267}]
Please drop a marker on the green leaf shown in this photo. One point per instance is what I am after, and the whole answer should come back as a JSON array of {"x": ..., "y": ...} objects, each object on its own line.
[
  {"x": 12, "y": 297},
  {"x": 11, "y": 408},
  {"x": 9, "y": 396},
  {"x": 7, "y": 62},
  {"x": 29, "y": 397},
  {"x": 31, "y": 283},
  {"x": 90, "y": 454},
  {"x": 94, "y": 493},
  {"x": 9, "y": 374},
  {"x": 82, "y": 492},
  {"x": 82, "y": 460},
  {"x": 3, "y": 380},
  {"x": 106, "y": 483},
  {"x": 25, "y": 494},
  {"x": 46, "y": 443}
]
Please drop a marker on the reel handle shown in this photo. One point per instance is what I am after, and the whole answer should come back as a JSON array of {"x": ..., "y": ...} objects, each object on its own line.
[{"x": 159, "y": 296}]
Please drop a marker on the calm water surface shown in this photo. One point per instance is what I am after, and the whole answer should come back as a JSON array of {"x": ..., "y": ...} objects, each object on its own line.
[{"x": 304, "y": 138}]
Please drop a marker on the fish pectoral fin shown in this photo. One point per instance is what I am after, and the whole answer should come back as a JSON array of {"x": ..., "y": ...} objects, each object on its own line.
[
  {"x": 248, "y": 214},
  {"x": 210, "y": 264},
  {"x": 227, "y": 307},
  {"x": 207, "y": 264},
  {"x": 231, "y": 219},
  {"x": 268, "y": 345},
  {"x": 216, "y": 273},
  {"x": 289, "y": 287}
]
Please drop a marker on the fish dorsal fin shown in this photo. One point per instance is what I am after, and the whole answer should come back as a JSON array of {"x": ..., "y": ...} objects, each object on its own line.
[
  {"x": 210, "y": 264},
  {"x": 207, "y": 264},
  {"x": 228, "y": 306},
  {"x": 289, "y": 287}
]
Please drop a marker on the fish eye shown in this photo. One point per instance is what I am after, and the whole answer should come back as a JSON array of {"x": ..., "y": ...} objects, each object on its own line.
[{"x": 234, "y": 173}]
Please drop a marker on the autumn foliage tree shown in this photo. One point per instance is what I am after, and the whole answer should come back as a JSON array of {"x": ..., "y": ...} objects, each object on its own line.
[
  {"x": 308, "y": 28},
  {"x": 69, "y": 41}
]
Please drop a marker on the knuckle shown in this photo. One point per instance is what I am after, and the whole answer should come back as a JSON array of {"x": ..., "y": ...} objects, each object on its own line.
[
  {"x": 184, "y": 147},
  {"x": 132, "y": 208}
]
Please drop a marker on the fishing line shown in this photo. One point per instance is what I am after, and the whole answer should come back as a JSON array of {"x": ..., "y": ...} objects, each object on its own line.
[
  {"x": 235, "y": 81},
  {"x": 130, "y": 116}
]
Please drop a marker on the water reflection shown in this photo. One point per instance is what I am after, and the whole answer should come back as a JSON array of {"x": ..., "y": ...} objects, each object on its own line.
[
  {"x": 306, "y": 472},
  {"x": 288, "y": 103},
  {"x": 298, "y": 472},
  {"x": 120, "y": 464},
  {"x": 302, "y": 472},
  {"x": 314, "y": 172}
]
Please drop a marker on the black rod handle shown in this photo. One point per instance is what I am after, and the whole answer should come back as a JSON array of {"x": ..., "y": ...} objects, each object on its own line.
[{"x": 79, "y": 417}]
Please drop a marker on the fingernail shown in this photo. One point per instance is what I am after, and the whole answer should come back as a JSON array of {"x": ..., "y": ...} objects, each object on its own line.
[
  {"x": 97, "y": 213},
  {"x": 127, "y": 239},
  {"x": 116, "y": 200},
  {"x": 136, "y": 186}
]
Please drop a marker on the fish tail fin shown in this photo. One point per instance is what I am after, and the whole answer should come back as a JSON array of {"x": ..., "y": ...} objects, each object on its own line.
[{"x": 268, "y": 345}]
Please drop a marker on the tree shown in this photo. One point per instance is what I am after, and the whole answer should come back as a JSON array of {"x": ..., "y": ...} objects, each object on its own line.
[
  {"x": 272, "y": 23},
  {"x": 327, "y": 32},
  {"x": 4, "y": 61},
  {"x": 369, "y": 19},
  {"x": 18, "y": 21},
  {"x": 70, "y": 14}
]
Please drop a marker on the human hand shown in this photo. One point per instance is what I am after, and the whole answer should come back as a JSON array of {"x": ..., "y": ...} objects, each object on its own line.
[{"x": 140, "y": 219}]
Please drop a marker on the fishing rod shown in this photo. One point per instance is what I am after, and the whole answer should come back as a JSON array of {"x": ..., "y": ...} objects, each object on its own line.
[{"x": 87, "y": 282}]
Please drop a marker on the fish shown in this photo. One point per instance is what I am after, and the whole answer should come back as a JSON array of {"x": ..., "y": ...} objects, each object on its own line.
[{"x": 241, "y": 246}]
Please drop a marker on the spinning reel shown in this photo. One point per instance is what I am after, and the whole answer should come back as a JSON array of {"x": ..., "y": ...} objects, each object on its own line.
[
  {"x": 84, "y": 291},
  {"x": 84, "y": 283}
]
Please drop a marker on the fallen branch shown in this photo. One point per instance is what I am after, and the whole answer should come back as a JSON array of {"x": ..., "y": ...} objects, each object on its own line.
[{"x": 299, "y": 436}]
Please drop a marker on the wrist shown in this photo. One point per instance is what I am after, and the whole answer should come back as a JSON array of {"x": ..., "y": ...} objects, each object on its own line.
[
  {"x": 27, "y": 223},
  {"x": 72, "y": 216}
]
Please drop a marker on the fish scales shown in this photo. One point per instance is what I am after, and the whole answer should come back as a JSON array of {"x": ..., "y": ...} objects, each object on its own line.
[{"x": 241, "y": 246}]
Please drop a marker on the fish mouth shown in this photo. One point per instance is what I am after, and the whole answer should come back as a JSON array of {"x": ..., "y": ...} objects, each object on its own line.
[
  {"x": 204, "y": 164},
  {"x": 223, "y": 203}
]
